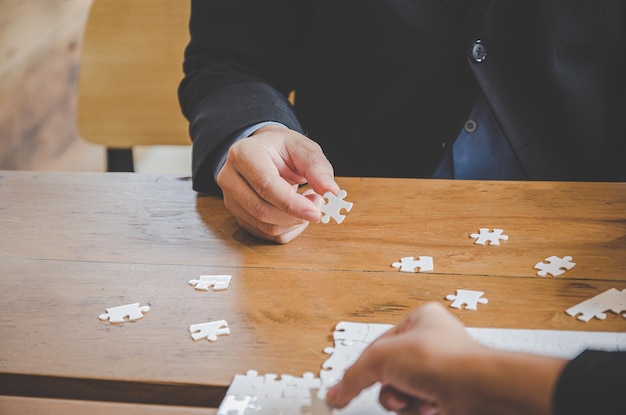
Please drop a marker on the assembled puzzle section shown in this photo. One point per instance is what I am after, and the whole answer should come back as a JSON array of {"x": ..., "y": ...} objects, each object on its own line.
[
  {"x": 254, "y": 394},
  {"x": 271, "y": 394}
]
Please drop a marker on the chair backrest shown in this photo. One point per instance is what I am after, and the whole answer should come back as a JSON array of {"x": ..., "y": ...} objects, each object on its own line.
[{"x": 131, "y": 64}]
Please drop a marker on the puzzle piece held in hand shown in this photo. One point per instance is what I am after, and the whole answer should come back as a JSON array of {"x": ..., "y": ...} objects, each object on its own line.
[
  {"x": 554, "y": 265},
  {"x": 468, "y": 298},
  {"x": 410, "y": 264},
  {"x": 610, "y": 300},
  {"x": 493, "y": 237},
  {"x": 128, "y": 312},
  {"x": 209, "y": 330},
  {"x": 331, "y": 205},
  {"x": 217, "y": 282}
]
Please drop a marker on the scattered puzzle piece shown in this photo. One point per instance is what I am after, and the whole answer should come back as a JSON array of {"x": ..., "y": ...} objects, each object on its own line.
[
  {"x": 488, "y": 236},
  {"x": 410, "y": 264},
  {"x": 331, "y": 205},
  {"x": 209, "y": 330},
  {"x": 217, "y": 282},
  {"x": 554, "y": 265},
  {"x": 128, "y": 312},
  {"x": 610, "y": 300},
  {"x": 468, "y": 298}
]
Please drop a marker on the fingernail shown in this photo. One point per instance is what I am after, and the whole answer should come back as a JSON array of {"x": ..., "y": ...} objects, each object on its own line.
[
  {"x": 313, "y": 216},
  {"x": 331, "y": 396},
  {"x": 330, "y": 182}
]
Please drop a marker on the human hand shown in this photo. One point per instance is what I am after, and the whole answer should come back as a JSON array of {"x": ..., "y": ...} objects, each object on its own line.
[
  {"x": 428, "y": 364},
  {"x": 260, "y": 182}
]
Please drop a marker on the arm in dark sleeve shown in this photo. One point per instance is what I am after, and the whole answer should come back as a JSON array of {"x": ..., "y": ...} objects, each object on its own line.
[
  {"x": 240, "y": 65},
  {"x": 592, "y": 383}
]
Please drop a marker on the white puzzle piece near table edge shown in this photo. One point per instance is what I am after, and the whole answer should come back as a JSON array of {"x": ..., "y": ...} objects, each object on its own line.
[
  {"x": 597, "y": 306},
  {"x": 271, "y": 394},
  {"x": 468, "y": 298}
]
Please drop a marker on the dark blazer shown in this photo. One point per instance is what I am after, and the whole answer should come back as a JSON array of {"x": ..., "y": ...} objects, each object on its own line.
[{"x": 384, "y": 86}]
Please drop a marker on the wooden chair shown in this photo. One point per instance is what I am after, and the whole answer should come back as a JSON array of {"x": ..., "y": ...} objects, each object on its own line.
[{"x": 131, "y": 65}]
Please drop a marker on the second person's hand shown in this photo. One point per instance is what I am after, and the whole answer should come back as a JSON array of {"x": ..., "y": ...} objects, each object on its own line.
[{"x": 260, "y": 181}]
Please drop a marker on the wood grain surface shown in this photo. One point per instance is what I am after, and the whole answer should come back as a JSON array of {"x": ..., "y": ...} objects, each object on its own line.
[{"x": 74, "y": 244}]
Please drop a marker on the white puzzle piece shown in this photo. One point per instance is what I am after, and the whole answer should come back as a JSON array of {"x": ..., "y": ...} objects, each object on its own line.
[
  {"x": 217, "y": 282},
  {"x": 554, "y": 265},
  {"x": 610, "y": 300},
  {"x": 128, "y": 312},
  {"x": 554, "y": 343},
  {"x": 209, "y": 330},
  {"x": 469, "y": 298},
  {"x": 485, "y": 235},
  {"x": 331, "y": 206},
  {"x": 236, "y": 405},
  {"x": 410, "y": 264}
]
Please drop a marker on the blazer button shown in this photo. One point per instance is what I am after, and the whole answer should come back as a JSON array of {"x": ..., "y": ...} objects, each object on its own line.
[
  {"x": 470, "y": 126},
  {"x": 479, "y": 52}
]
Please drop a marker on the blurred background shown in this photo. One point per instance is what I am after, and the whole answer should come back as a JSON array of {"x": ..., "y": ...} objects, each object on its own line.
[{"x": 40, "y": 46}]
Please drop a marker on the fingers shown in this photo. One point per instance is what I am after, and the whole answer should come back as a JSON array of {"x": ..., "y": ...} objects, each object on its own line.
[
  {"x": 361, "y": 375},
  {"x": 260, "y": 180},
  {"x": 255, "y": 170},
  {"x": 396, "y": 401},
  {"x": 308, "y": 159},
  {"x": 393, "y": 400},
  {"x": 406, "y": 359},
  {"x": 280, "y": 233}
]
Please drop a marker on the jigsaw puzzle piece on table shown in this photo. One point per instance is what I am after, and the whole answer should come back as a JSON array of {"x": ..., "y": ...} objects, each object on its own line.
[
  {"x": 217, "y": 282},
  {"x": 554, "y": 343},
  {"x": 268, "y": 394},
  {"x": 236, "y": 405},
  {"x": 331, "y": 206},
  {"x": 128, "y": 312},
  {"x": 554, "y": 265},
  {"x": 410, "y": 264},
  {"x": 209, "y": 330},
  {"x": 485, "y": 235},
  {"x": 469, "y": 298},
  {"x": 346, "y": 332},
  {"x": 610, "y": 300}
]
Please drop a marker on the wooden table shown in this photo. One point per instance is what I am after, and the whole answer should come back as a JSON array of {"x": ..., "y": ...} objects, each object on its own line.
[{"x": 74, "y": 244}]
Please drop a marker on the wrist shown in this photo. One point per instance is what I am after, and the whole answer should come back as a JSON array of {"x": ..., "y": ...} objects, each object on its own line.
[{"x": 500, "y": 382}]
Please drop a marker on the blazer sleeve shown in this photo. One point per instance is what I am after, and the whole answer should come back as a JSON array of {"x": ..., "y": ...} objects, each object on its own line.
[
  {"x": 239, "y": 67},
  {"x": 592, "y": 383}
]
